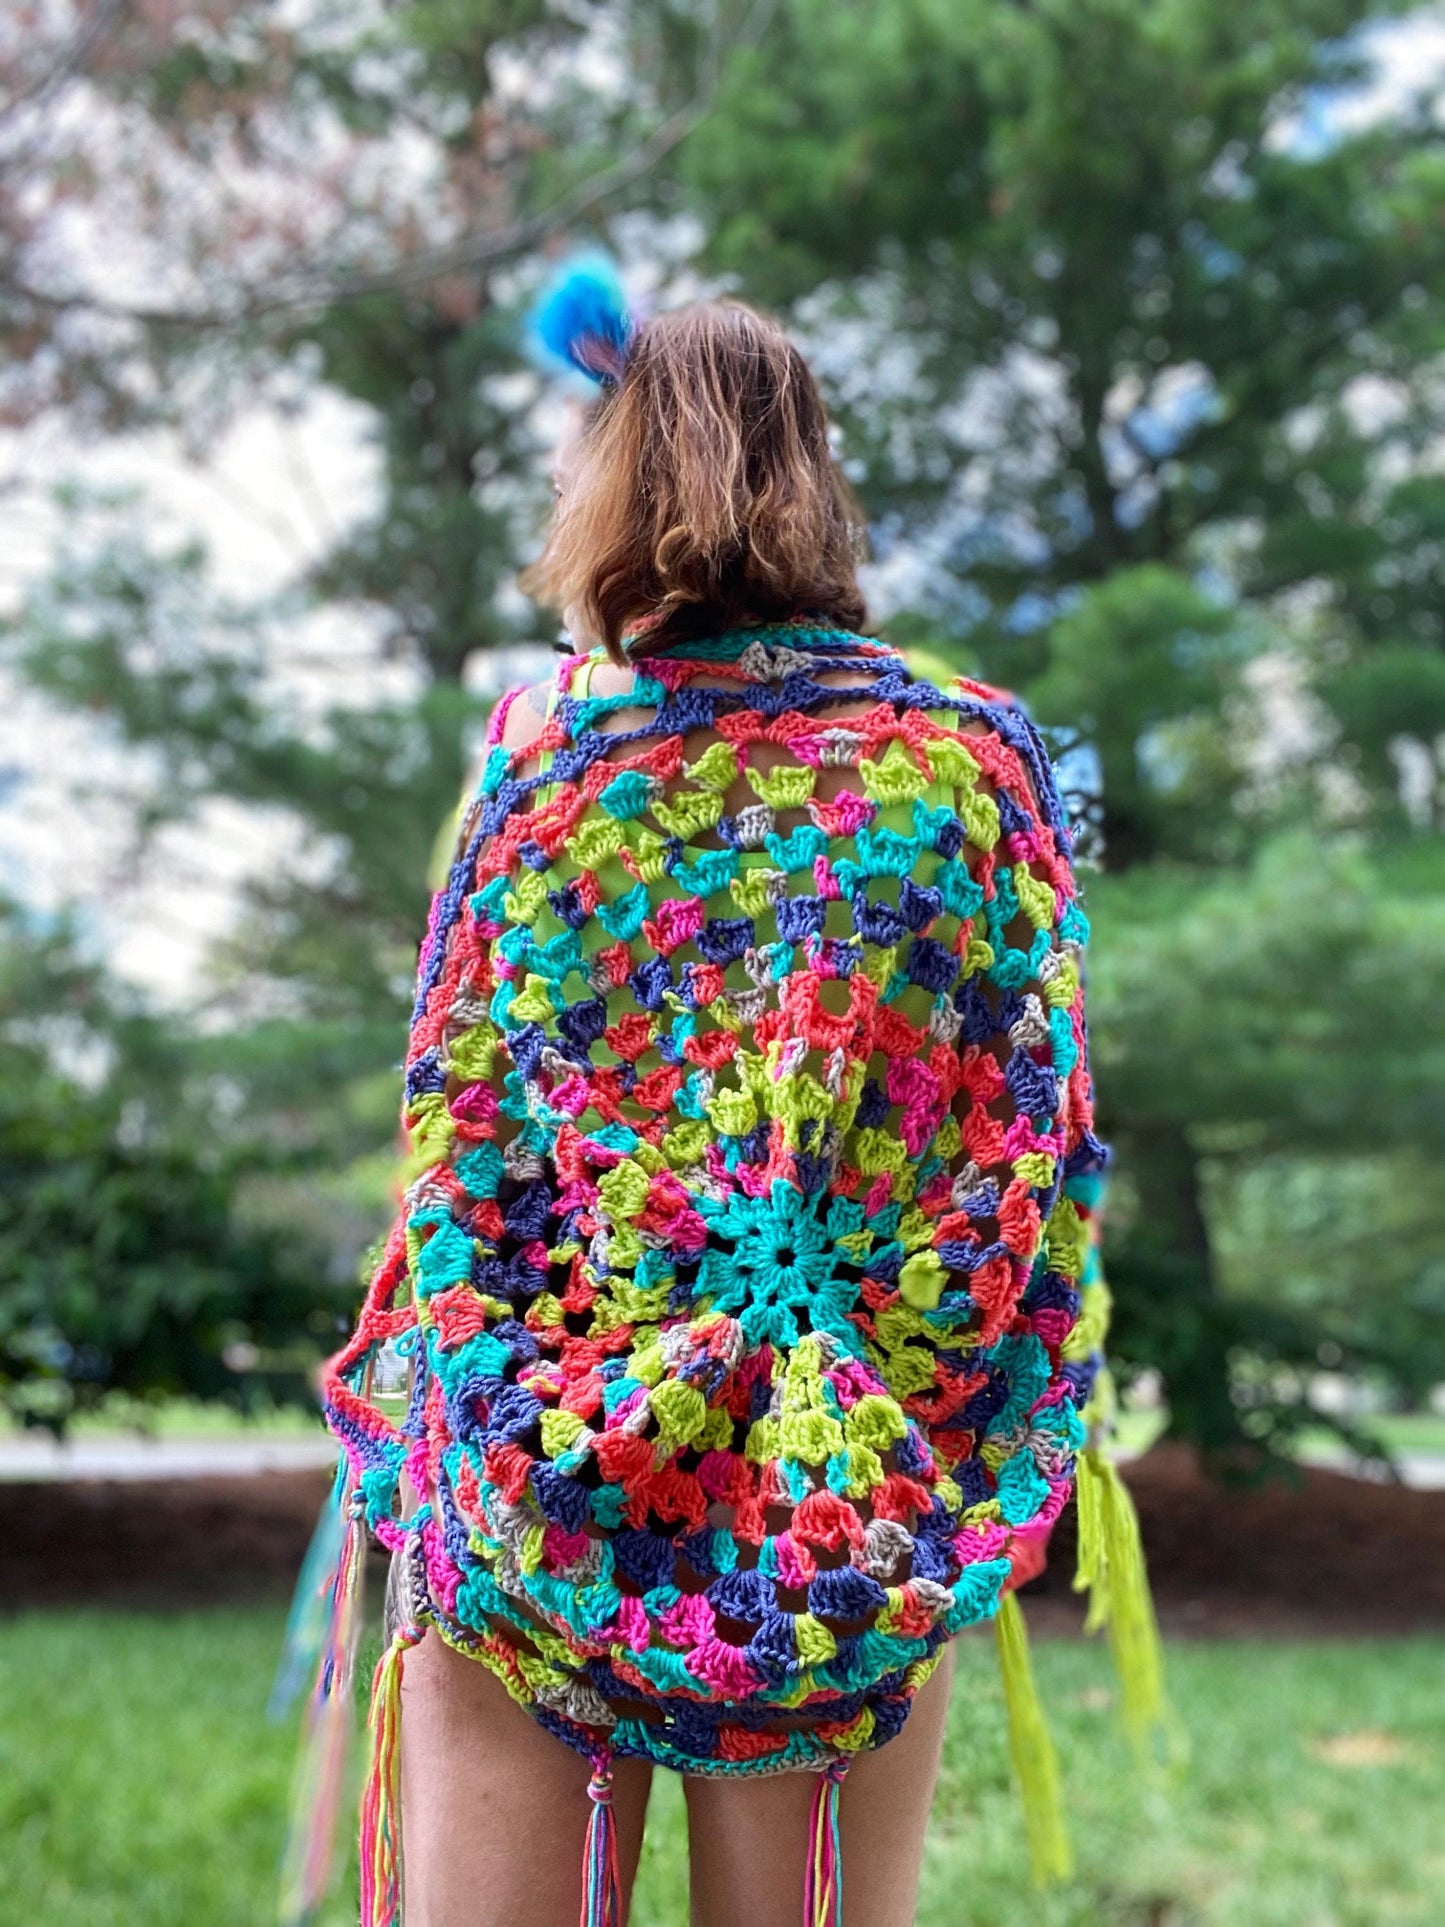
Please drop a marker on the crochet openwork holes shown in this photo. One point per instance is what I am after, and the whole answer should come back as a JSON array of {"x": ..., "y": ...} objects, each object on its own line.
[{"x": 725, "y": 1333}]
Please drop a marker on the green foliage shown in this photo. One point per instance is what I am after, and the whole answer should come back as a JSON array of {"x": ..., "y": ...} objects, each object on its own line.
[
  {"x": 1320, "y": 971},
  {"x": 1272, "y": 1021},
  {"x": 1141, "y": 668},
  {"x": 127, "y": 1259},
  {"x": 1351, "y": 1250},
  {"x": 139, "y": 638},
  {"x": 1147, "y": 365},
  {"x": 462, "y": 470},
  {"x": 1096, "y": 191},
  {"x": 1391, "y": 694}
]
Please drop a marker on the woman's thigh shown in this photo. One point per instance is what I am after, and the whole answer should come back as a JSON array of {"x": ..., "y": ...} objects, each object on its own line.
[
  {"x": 493, "y": 1807},
  {"x": 748, "y": 1839}
]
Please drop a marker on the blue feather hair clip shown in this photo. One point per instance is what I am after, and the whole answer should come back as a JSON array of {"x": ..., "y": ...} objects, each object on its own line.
[{"x": 582, "y": 320}]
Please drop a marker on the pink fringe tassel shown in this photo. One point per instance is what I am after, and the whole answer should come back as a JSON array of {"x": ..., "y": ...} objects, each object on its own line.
[
  {"x": 601, "y": 1875},
  {"x": 381, "y": 1800}
]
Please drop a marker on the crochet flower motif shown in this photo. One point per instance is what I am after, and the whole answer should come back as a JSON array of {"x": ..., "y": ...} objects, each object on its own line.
[
  {"x": 783, "y": 1259},
  {"x": 762, "y": 1220}
]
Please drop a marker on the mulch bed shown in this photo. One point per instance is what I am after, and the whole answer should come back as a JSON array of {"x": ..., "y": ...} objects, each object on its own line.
[
  {"x": 1316, "y": 1554},
  {"x": 1319, "y": 1555}
]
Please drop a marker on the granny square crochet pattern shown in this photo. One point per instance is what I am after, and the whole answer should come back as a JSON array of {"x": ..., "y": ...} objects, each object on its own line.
[{"x": 728, "y": 1327}]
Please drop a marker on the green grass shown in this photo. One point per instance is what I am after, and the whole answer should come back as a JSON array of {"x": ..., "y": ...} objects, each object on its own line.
[
  {"x": 1137, "y": 1430},
  {"x": 1396, "y": 1431},
  {"x": 141, "y": 1786}
]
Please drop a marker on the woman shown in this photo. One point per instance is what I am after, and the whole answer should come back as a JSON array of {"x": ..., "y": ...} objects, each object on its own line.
[{"x": 737, "y": 1288}]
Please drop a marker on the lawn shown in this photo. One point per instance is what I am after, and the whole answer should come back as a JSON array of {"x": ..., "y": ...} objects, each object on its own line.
[{"x": 141, "y": 1786}]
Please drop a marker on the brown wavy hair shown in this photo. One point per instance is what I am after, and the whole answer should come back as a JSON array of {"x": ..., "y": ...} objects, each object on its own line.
[{"x": 706, "y": 496}]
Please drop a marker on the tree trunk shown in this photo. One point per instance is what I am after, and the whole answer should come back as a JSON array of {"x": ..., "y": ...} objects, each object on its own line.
[{"x": 1170, "y": 1313}]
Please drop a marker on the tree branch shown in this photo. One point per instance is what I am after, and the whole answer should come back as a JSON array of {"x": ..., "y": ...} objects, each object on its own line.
[
  {"x": 470, "y": 251},
  {"x": 71, "y": 59}
]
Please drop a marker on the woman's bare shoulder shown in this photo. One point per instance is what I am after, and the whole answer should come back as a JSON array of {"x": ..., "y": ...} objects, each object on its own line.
[
  {"x": 526, "y": 714},
  {"x": 611, "y": 678}
]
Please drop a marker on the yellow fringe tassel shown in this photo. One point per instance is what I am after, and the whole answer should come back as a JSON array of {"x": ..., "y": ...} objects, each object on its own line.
[
  {"x": 1111, "y": 1570},
  {"x": 1035, "y": 1761}
]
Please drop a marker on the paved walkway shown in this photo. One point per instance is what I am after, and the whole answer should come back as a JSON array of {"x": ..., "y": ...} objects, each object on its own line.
[
  {"x": 37, "y": 1456},
  {"x": 1423, "y": 1471}
]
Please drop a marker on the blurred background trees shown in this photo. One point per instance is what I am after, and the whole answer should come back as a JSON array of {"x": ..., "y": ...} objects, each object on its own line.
[
  {"x": 1131, "y": 317},
  {"x": 130, "y": 1261}
]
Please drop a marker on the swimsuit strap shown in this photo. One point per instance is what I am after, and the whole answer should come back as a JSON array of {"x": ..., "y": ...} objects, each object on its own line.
[{"x": 579, "y": 685}]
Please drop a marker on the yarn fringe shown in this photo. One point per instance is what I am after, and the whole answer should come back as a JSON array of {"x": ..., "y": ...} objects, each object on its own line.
[
  {"x": 323, "y": 1632},
  {"x": 381, "y": 1799},
  {"x": 1035, "y": 1762},
  {"x": 1112, "y": 1571},
  {"x": 310, "y": 1621},
  {"x": 601, "y": 1874},
  {"x": 823, "y": 1880}
]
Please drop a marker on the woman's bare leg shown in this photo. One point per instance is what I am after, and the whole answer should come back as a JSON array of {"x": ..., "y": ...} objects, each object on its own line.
[
  {"x": 748, "y": 1839},
  {"x": 493, "y": 1807}
]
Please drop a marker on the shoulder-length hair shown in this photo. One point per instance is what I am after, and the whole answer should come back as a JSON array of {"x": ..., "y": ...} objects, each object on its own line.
[{"x": 706, "y": 496}]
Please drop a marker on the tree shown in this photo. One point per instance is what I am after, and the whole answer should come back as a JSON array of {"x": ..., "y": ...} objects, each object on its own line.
[
  {"x": 129, "y": 1258},
  {"x": 1141, "y": 371},
  {"x": 359, "y": 187},
  {"x": 351, "y": 198},
  {"x": 1138, "y": 383}
]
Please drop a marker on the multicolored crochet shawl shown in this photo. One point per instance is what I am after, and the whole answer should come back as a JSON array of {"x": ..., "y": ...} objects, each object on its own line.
[{"x": 729, "y": 1335}]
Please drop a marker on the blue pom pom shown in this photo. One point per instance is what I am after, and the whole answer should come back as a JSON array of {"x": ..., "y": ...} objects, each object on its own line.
[{"x": 582, "y": 319}]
